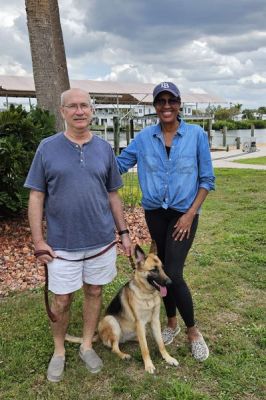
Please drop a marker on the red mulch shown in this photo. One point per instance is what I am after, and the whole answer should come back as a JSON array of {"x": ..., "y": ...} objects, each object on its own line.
[{"x": 19, "y": 269}]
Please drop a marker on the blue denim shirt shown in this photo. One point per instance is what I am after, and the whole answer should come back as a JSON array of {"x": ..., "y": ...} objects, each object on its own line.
[{"x": 174, "y": 181}]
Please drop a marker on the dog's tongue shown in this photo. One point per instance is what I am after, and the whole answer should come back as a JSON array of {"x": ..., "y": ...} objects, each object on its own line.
[{"x": 163, "y": 291}]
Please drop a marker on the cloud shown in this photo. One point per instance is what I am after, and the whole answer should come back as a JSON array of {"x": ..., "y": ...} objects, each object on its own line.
[
  {"x": 243, "y": 43},
  {"x": 14, "y": 45},
  {"x": 254, "y": 79},
  {"x": 134, "y": 73},
  {"x": 214, "y": 46}
]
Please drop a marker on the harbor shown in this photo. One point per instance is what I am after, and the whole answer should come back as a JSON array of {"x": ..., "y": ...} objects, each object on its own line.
[{"x": 219, "y": 140}]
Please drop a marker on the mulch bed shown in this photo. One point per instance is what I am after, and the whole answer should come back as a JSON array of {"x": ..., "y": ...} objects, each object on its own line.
[{"x": 19, "y": 269}]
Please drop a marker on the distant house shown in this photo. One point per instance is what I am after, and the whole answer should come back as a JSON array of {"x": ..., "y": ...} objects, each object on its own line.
[
  {"x": 237, "y": 117},
  {"x": 260, "y": 116}
]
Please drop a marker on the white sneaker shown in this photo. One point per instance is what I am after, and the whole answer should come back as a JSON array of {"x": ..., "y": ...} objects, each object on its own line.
[
  {"x": 199, "y": 349},
  {"x": 168, "y": 334}
]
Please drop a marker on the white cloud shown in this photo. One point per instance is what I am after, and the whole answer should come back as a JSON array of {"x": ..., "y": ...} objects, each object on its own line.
[
  {"x": 255, "y": 79},
  {"x": 9, "y": 67},
  {"x": 7, "y": 19},
  {"x": 134, "y": 73},
  {"x": 197, "y": 90}
]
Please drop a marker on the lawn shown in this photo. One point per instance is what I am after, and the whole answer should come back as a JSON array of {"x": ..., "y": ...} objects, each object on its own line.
[
  {"x": 226, "y": 272},
  {"x": 255, "y": 160}
]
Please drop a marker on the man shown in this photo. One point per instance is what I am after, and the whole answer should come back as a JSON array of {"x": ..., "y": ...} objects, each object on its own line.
[
  {"x": 175, "y": 175},
  {"x": 74, "y": 179}
]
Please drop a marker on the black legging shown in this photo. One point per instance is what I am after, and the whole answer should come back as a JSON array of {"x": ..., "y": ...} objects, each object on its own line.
[{"x": 173, "y": 254}]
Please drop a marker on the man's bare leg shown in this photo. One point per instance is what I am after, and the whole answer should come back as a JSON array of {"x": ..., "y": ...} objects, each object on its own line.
[
  {"x": 91, "y": 311},
  {"x": 61, "y": 308}
]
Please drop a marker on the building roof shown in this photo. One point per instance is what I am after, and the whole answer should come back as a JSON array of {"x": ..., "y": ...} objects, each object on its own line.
[{"x": 101, "y": 91}]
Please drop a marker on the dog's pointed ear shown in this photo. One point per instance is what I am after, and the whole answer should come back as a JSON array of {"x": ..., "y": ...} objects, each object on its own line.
[
  {"x": 139, "y": 254},
  {"x": 153, "y": 248}
]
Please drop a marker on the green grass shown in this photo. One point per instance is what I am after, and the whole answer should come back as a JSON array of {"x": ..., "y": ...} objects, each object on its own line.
[
  {"x": 255, "y": 160},
  {"x": 226, "y": 272},
  {"x": 130, "y": 192}
]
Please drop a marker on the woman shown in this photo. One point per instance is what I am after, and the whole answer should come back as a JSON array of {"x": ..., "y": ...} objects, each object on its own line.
[{"x": 175, "y": 175}]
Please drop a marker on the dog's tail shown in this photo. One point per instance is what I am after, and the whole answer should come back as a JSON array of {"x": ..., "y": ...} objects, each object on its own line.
[{"x": 77, "y": 339}]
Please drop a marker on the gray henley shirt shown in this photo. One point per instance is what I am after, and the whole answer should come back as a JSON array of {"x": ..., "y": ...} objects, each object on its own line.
[{"x": 76, "y": 181}]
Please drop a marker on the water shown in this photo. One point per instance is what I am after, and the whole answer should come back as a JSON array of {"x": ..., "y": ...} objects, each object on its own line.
[
  {"x": 244, "y": 134},
  {"x": 109, "y": 136},
  {"x": 217, "y": 140}
]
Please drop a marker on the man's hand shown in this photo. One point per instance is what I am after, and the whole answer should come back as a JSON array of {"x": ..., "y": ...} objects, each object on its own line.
[
  {"x": 45, "y": 258},
  {"x": 127, "y": 245}
]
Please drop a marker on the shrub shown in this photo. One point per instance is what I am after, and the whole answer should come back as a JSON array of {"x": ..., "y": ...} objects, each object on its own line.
[
  {"x": 259, "y": 124},
  {"x": 20, "y": 134},
  {"x": 244, "y": 124},
  {"x": 218, "y": 125}
]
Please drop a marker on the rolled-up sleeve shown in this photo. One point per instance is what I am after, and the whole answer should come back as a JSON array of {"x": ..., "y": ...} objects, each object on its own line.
[
  {"x": 206, "y": 174},
  {"x": 128, "y": 157}
]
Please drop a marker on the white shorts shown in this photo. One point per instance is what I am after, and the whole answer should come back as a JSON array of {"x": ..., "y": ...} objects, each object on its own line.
[{"x": 67, "y": 276}]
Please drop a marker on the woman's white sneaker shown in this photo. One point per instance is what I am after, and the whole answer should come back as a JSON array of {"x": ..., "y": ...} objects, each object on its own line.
[
  {"x": 199, "y": 349},
  {"x": 168, "y": 334}
]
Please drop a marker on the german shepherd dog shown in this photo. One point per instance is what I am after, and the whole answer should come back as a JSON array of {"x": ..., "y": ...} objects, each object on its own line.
[{"x": 137, "y": 304}]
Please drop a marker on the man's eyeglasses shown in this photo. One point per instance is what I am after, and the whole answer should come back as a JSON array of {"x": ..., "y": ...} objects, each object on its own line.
[
  {"x": 162, "y": 102},
  {"x": 75, "y": 107}
]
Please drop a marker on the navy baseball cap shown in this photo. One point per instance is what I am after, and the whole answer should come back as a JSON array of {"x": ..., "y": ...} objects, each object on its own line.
[{"x": 166, "y": 87}]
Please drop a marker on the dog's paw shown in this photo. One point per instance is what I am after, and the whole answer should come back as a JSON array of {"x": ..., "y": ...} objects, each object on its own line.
[
  {"x": 149, "y": 367},
  {"x": 126, "y": 356},
  {"x": 172, "y": 361}
]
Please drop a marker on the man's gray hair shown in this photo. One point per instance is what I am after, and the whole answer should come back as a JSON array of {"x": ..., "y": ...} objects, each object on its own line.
[{"x": 66, "y": 92}]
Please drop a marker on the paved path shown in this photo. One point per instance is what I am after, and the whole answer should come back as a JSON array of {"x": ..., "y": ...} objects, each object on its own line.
[{"x": 224, "y": 159}]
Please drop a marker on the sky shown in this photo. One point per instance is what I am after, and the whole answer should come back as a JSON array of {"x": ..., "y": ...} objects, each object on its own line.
[{"x": 214, "y": 46}]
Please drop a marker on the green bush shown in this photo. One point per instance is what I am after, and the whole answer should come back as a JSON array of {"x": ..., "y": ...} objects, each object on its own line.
[
  {"x": 218, "y": 125},
  {"x": 20, "y": 134},
  {"x": 244, "y": 124},
  {"x": 259, "y": 124}
]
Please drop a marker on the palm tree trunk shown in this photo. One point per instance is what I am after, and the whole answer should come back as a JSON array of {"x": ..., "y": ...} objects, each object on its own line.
[{"x": 48, "y": 55}]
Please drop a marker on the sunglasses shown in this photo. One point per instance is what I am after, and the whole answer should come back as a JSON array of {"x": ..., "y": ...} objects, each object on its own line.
[{"x": 162, "y": 102}]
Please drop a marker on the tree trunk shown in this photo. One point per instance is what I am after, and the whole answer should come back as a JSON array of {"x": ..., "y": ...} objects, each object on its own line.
[{"x": 48, "y": 55}]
